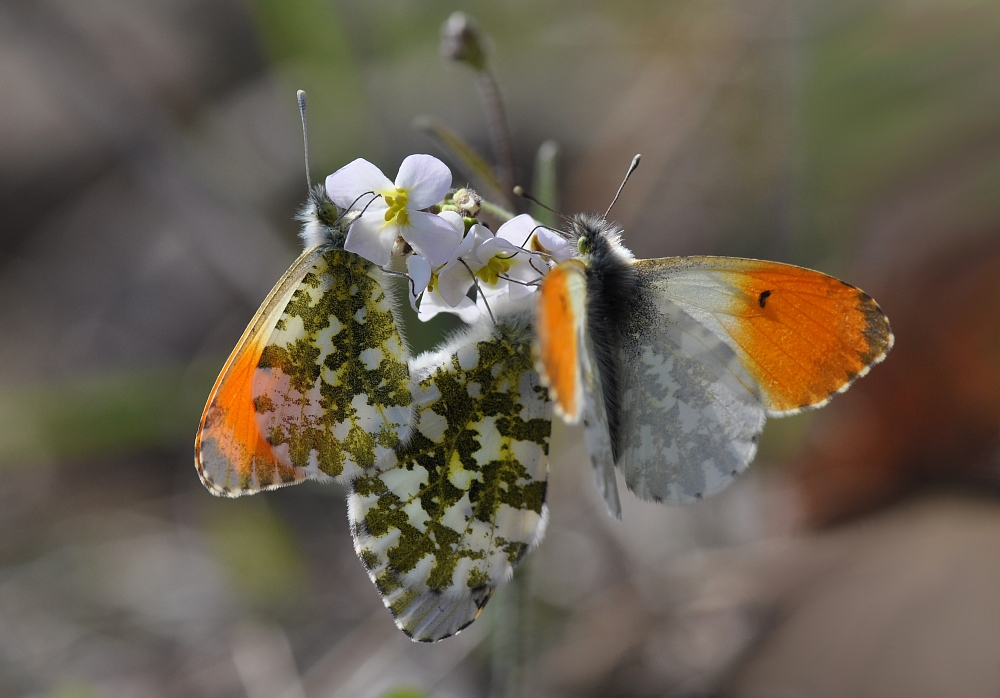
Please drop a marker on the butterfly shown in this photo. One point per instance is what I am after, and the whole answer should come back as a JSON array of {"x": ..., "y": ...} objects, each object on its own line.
[
  {"x": 673, "y": 365},
  {"x": 444, "y": 454},
  {"x": 446, "y": 522},
  {"x": 318, "y": 385}
]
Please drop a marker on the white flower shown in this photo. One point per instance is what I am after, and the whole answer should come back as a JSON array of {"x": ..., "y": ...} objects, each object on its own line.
[
  {"x": 446, "y": 288},
  {"x": 510, "y": 263},
  {"x": 392, "y": 209},
  {"x": 524, "y": 231},
  {"x": 432, "y": 304},
  {"x": 507, "y": 261}
]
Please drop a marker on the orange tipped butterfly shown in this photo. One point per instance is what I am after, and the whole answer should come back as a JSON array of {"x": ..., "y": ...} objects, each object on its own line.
[
  {"x": 445, "y": 454},
  {"x": 673, "y": 364}
]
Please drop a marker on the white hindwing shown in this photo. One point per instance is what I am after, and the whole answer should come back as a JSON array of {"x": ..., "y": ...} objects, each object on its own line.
[
  {"x": 596, "y": 433},
  {"x": 464, "y": 501},
  {"x": 691, "y": 414}
]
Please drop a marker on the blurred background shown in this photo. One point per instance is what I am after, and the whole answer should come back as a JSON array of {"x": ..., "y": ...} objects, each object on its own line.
[{"x": 150, "y": 166}]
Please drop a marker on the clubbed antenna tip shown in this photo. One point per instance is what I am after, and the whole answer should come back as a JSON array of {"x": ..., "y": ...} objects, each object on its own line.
[{"x": 631, "y": 169}]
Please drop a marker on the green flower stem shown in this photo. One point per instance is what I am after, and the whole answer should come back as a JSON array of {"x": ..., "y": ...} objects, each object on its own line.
[
  {"x": 496, "y": 116},
  {"x": 468, "y": 160},
  {"x": 496, "y": 210}
]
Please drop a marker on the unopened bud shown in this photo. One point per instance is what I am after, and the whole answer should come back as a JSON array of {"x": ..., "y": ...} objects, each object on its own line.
[
  {"x": 401, "y": 248},
  {"x": 467, "y": 202},
  {"x": 462, "y": 41}
]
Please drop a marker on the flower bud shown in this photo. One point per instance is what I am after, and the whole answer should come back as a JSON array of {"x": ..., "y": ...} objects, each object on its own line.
[
  {"x": 462, "y": 41},
  {"x": 401, "y": 248},
  {"x": 467, "y": 202}
]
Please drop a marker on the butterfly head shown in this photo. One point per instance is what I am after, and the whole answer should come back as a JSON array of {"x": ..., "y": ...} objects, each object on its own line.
[
  {"x": 597, "y": 239},
  {"x": 323, "y": 222}
]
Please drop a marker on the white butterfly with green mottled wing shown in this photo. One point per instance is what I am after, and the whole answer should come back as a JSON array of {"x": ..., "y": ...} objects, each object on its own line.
[
  {"x": 465, "y": 500},
  {"x": 318, "y": 386}
]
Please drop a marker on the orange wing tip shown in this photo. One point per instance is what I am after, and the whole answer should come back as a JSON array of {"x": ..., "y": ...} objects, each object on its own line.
[
  {"x": 881, "y": 340},
  {"x": 557, "y": 344},
  {"x": 570, "y": 416}
]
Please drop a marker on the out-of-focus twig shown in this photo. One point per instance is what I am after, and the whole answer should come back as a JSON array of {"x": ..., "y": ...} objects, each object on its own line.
[
  {"x": 499, "y": 127},
  {"x": 513, "y": 635},
  {"x": 496, "y": 211},
  {"x": 467, "y": 159},
  {"x": 463, "y": 42},
  {"x": 545, "y": 184}
]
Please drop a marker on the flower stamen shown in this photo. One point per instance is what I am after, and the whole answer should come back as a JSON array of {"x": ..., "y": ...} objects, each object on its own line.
[
  {"x": 397, "y": 208},
  {"x": 491, "y": 271}
]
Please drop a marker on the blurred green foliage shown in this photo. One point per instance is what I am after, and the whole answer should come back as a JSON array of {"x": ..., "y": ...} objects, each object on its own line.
[
  {"x": 103, "y": 414},
  {"x": 259, "y": 550},
  {"x": 405, "y": 693},
  {"x": 308, "y": 46},
  {"x": 891, "y": 92}
]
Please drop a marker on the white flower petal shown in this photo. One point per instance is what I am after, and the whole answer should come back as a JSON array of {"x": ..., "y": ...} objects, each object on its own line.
[
  {"x": 457, "y": 222},
  {"x": 467, "y": 246},
  {"x": 419, "y": 271},
  {"x": 518, "y": 230},
  {"x": 454, "y": 282},
  {"x": 471, "y": 243},
  {"x": 431, "y": 304},
  {"x": 355, "y": 179},
  {"x": 559, "y": 247},
  {"x": 498, "y": 246},
  {"x": 527, "y": 267},
  {"x": 518, "y": 291},
  {"x": 494, "y": 289},
  {"x": 482, "y": 233},
  {"x": 425, "y": 179},
  {"x": 372, "y": 238},
  {"x": 564, "y": 253},
  {"x": 431, "y": 236}
]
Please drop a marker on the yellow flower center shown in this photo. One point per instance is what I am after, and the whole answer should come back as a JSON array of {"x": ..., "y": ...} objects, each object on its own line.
[
  {"x": 396, "y": 213},
  {"x": 490, "y": 273}
]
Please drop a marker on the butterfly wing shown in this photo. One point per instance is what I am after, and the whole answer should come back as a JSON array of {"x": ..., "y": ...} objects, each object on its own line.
[
  {"x": 567, "y": 365},
  {"x": 801, "y": 334},
  {"x": 321, "y": 362},
  {"x": 464, "y": 501},
  {"x": 713, "y": 346},
  {"x": 230, "y": 452},
  {"x": 691, "y": 415},
  {"x": 562, "y": 313},
  {"x": 332, "y": 385}
]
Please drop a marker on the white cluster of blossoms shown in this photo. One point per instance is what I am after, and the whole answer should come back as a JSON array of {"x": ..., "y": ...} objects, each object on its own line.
[{"x": 451, "y": 253}]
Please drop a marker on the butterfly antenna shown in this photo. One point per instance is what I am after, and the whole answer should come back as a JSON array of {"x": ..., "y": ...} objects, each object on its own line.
[
  {"x": 631, "y": 169},
  {"x": 519, "y": 191},
  {"x": 301, "y": 96}
]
